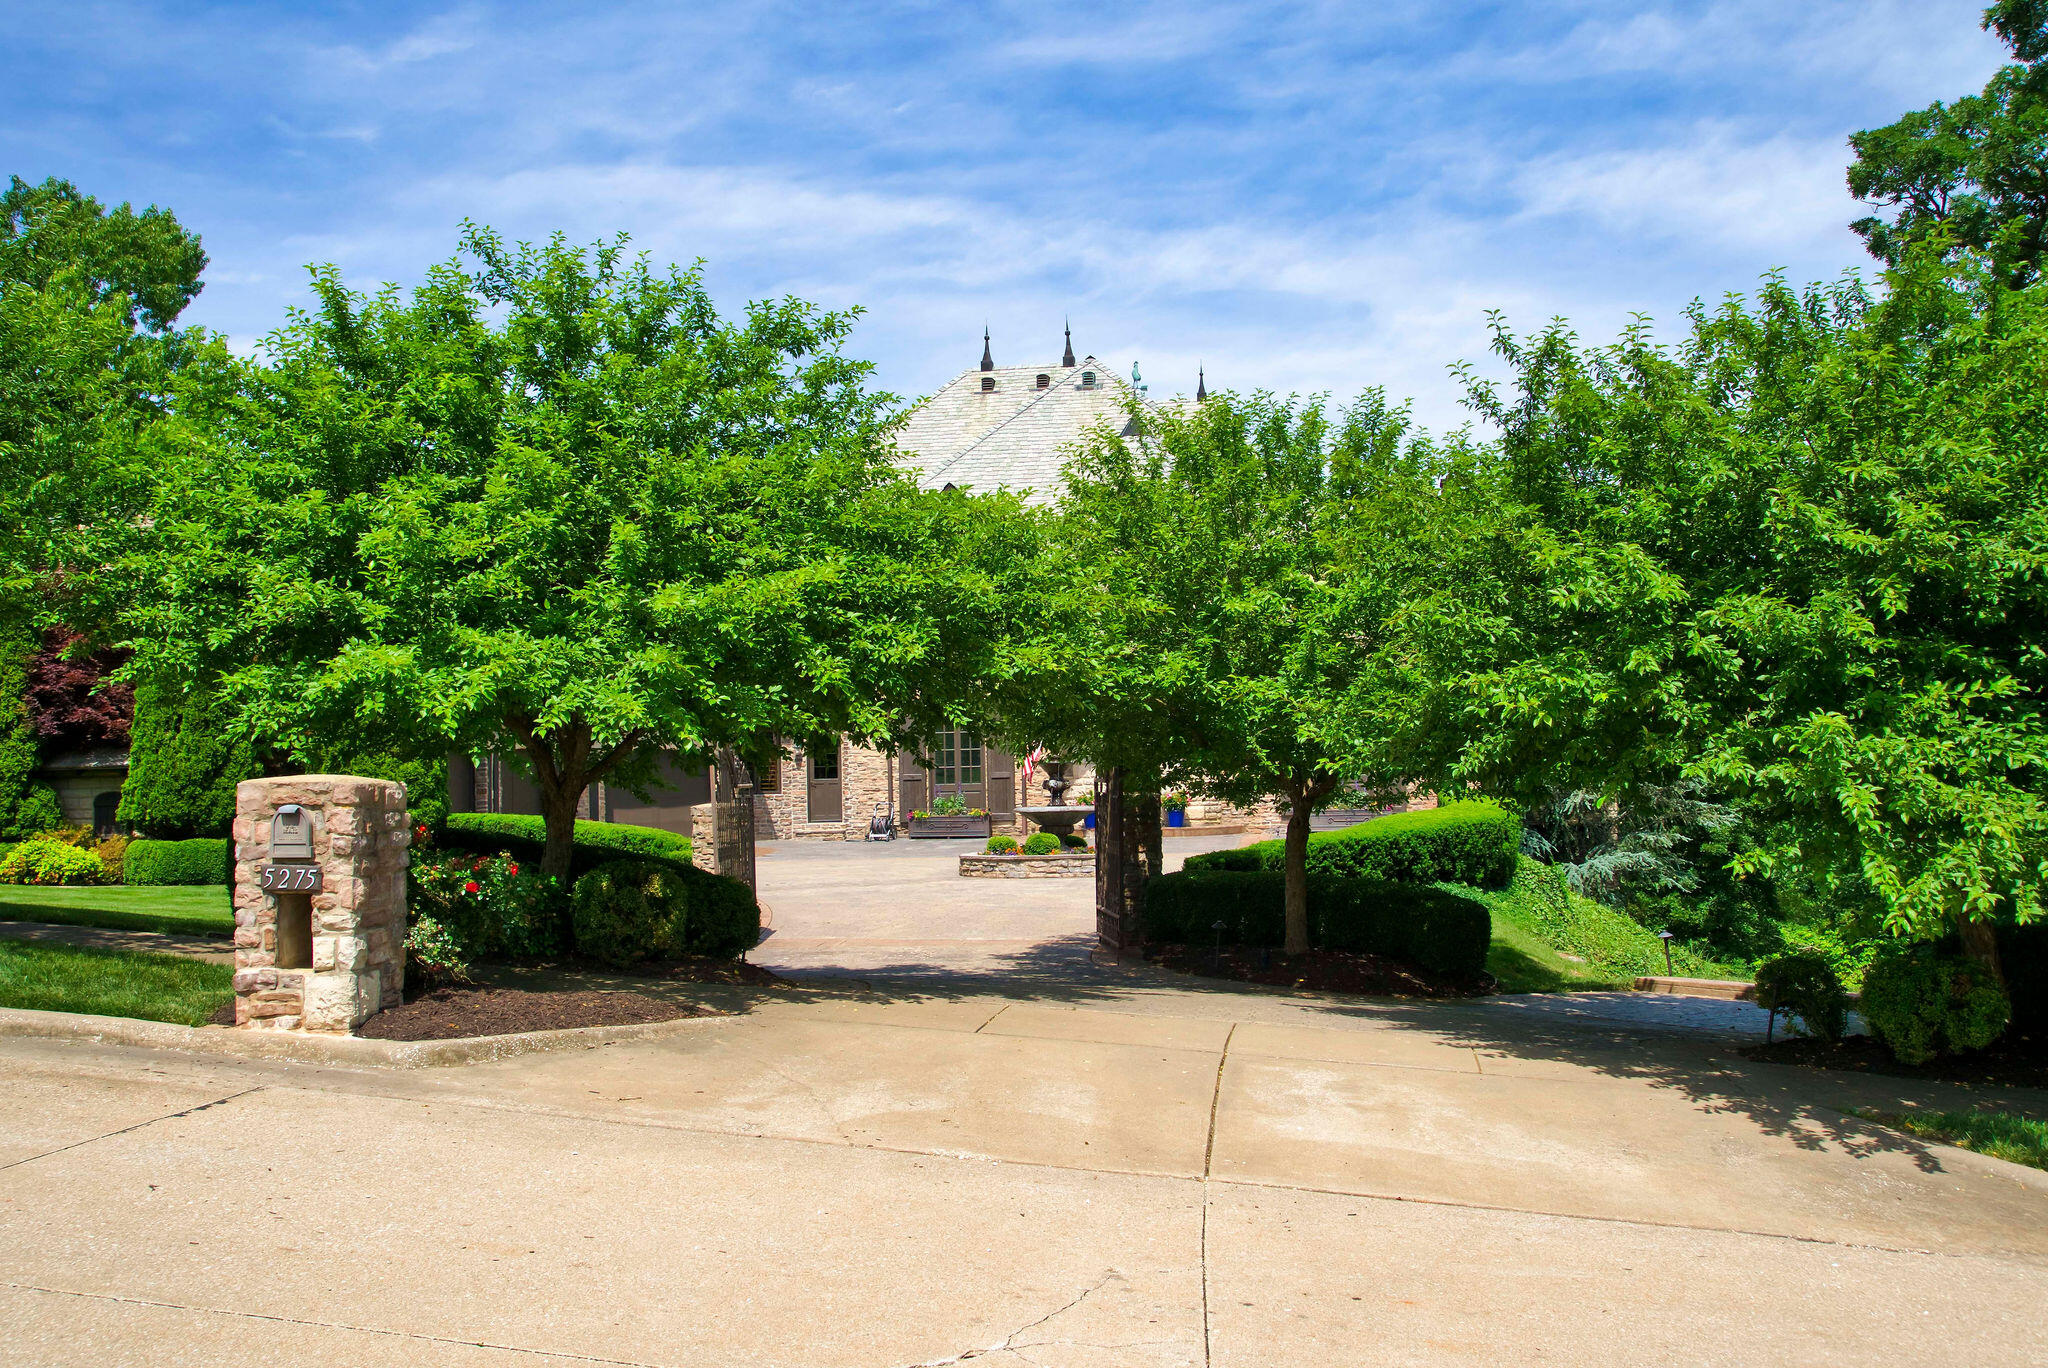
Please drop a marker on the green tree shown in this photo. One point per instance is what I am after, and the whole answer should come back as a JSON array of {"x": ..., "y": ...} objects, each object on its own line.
[
  {"x": 1246, "y": 557},
  {"x": 87, "y": 299},
  {"x": 553, "y": 505},
  {"x": 26, "y": 806},
  {"x": 186, "y": 754},
  {"x": 1800, "y": 558},
  {"x": 146, "y": 265},
  {"x": 1972, "y": 173}
]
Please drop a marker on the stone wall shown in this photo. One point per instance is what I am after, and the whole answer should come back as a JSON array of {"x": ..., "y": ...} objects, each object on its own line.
[
  {"x": 1079, "y": 864},
  {"x": 352, "y": 938}
]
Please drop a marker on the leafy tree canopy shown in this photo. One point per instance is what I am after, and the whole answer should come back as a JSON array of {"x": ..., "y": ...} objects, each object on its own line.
[
  {"x": 1800, "y": 558},
  {"x": 145, "y": 264},
  {"x": 1972, "y": 173},
  {"x": 553, "y": 504},
  {"x": 85, "y": 296},
  {"x": 1246, "y": 556}
]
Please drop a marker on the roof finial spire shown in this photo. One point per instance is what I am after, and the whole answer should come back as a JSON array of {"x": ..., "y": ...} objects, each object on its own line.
[
  {"x": 1068, "y": 359},
  {"x": 1201, "y": 385},
  {"x": 988, "y": 361}
]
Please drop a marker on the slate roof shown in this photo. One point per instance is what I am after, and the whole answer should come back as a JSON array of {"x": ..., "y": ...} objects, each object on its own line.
[{"x": 1015, "y": 436}]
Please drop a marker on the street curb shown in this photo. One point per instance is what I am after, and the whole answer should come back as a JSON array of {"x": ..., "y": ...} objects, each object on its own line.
[{"x": 298, "y": 1047}]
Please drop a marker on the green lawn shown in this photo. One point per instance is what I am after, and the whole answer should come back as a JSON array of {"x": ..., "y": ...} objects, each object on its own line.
[
  {"x": 1535, "y": 924},
  {"x": 72, "y": 978},
  {"x": 2001, "y": 1135},
  {"x": 176, "y": 911}
]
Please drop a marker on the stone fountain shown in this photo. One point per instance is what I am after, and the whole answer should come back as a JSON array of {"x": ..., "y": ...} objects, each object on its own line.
[{"x": 1058, "y": 817}]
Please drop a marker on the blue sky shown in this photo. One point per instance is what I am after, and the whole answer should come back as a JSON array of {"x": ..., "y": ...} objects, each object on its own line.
[{"x": 1305, "y": 197}]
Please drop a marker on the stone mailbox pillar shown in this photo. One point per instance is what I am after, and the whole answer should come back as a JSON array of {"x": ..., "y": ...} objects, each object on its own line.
[{"x": 319, "y": 901}]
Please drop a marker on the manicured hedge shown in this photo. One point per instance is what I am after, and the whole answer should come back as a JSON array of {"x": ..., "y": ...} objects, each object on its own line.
[
  {"x": 596, "y": 842},
  {"x": 1471, "y": 842},
  {"x": 200, "y": 860},
  {"x": 710, "y": 914},
  {"x": 1437, "y": 930}
]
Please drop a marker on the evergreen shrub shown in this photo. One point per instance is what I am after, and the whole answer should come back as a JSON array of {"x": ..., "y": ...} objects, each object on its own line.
[
  {"x": 1923, "y": 1000},
  {"x": 1469, "y": 842},
  {"x": 26, "y": 807},
  {"x": 630, "y": 910},
  {"x": 1804, "y": 984},
  {"x": 1001, "y": 845},
  {"x": 44, "y": 860},
  {"x": 627, "y": 911},
  {"x": 1437, "y": 930},
  {"x": 1041, "y": 843},
  {"x": 199, "y": 860},
  {"x": 725, "y": 921},
  {"x": 184, "y": 760}
]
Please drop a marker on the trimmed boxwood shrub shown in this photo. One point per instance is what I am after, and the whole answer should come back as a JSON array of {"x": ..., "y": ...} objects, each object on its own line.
[
  {"x": 200, "y": 860},
  {"x": 1041, "y": 843},
  {"x": 1804, "y": 984},
  {"x": 596, "y": 842},
  {"x": 725, "y": 921},
  {"x": 1923, "y": 1000},
  {"x": 626, "y": 911},
  {"x": 1001, "y": 845},
  {"x": 1441, "y": 931},
  {"x": 1470, "y": 842}
]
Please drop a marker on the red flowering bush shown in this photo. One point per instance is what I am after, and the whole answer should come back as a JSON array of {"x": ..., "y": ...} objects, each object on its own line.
[{"x": 485, "y": 904}]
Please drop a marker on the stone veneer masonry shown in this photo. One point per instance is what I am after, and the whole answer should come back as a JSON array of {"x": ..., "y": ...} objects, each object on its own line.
[{"x": 356, "y": 962}]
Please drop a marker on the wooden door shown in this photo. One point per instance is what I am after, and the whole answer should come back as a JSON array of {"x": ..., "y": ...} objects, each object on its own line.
[
  {"x": 822, "y": 771},
  {"x": 957, "y": 769}
]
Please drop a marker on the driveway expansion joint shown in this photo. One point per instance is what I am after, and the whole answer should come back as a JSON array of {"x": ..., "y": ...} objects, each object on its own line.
[{"x": 168, "y": 1116}]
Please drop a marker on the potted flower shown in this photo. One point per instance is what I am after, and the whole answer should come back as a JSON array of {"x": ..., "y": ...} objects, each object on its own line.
[
  {"x": 949, "y": 817},
  {"x": 1176, "y": 805}
]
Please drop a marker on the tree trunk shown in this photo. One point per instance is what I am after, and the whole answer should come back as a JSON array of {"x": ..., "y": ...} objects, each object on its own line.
[
  {"x": 1980, "y": 943},
  {"x": 558, "y": 804},
  {"x": 1298, "y": 814}
]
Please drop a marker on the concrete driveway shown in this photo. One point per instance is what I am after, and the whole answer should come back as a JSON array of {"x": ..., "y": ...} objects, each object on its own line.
[
  {"x": 1125, "y": 1174},
  {"x": 899, "y": 910}
]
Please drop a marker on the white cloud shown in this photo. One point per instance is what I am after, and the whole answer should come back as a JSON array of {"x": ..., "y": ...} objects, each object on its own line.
[{"x": 1712, "y": 187}]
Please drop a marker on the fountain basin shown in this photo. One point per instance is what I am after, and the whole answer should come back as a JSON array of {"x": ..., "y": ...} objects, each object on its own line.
[{"x": 1059, "y": 819}]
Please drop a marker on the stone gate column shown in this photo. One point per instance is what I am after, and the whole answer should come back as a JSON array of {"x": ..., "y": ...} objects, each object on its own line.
[
  {"x": 722, "y": 830},
  {"x": 320, "y": 871}
]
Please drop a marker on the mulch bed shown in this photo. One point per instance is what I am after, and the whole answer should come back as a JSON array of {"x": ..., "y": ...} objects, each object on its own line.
[
  {"x": 2015, "y": 1061},
  {"x": 454, "y": 1013},
  {"x": 457, "y": 1012},
  {"x": 703, "y": 969},
  {"x": 1333, "y": 971}
]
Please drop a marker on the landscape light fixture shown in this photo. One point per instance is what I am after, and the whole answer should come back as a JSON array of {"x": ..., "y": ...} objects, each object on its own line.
[{"x": 1665, "y": 936}]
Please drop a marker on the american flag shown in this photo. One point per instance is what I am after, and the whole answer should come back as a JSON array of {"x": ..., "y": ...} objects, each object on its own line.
[{"x": 1031, "y": 766}]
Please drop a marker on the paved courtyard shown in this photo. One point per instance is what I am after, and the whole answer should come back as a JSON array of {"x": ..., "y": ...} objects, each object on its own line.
[
  {"x": 899, "y": 910},
  {"x": 1083, "y": 1174}
]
